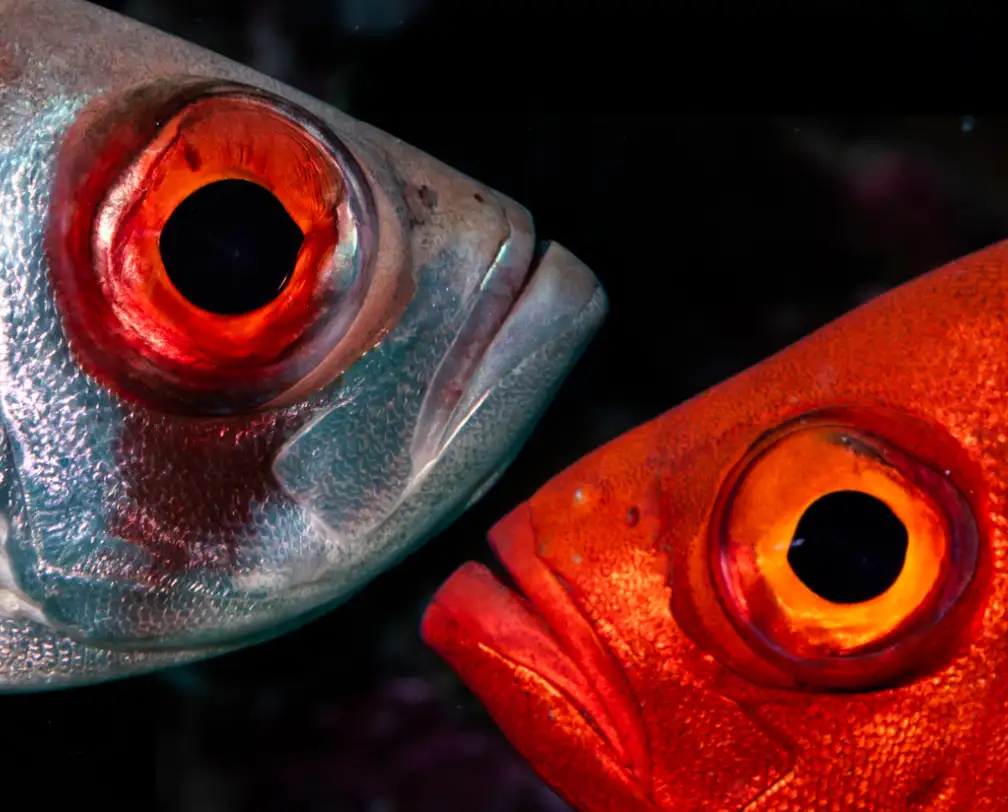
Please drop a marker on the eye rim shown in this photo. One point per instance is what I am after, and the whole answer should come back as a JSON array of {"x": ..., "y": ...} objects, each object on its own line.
[
  {"x": 107, "y": 139},
  {"x": 909, "y": 650}
]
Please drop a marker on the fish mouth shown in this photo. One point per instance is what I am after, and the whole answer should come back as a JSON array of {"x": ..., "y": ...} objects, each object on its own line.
[
  {"x": 474, "y": 618},
  {"x": 531, "y": 298}
]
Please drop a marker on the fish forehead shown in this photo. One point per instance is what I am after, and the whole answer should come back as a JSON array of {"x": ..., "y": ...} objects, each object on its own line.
[
  {"x": 98, "y": 476},
  {"x": 72, "y": 49},
  {"x": 76, "y": 48}
]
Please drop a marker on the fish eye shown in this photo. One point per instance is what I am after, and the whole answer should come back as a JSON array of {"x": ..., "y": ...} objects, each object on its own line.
[
  {"x": 835, "y": 553},
  {"x": 209, "y": 243}
]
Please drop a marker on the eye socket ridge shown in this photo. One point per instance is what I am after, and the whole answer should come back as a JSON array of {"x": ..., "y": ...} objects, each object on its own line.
[
  {"x": 127, "y": 163},
  {"x": 896, "y": 630}
]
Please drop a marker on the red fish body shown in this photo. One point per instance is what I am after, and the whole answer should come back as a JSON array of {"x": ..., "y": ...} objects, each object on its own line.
[{"x": 678, "y": 641}]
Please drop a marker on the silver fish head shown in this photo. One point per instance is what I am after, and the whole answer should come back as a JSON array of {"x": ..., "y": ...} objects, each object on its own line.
[{"x": 252, "y": 351}]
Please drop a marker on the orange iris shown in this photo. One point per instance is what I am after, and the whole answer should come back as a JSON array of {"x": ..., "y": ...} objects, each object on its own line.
[{"x": 798, "y": 629}]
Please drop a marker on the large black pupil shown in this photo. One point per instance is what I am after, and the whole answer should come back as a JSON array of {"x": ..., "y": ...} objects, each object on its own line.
[
  {"x": 848, "y": 547},
  {"x": 230, "y": 247}
]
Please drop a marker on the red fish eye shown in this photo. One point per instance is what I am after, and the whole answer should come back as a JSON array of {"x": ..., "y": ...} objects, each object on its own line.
[
  {"x": 209, "y": 244},
  {"x": 837, "y": 556}
]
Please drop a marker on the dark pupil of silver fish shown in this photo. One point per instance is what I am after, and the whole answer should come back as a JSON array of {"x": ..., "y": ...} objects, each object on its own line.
[
  {"x": 848, "y": 547},
  {"x": 230, "y": 247}
]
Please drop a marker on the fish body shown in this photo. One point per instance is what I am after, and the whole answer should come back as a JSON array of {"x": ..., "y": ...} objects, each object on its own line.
[
  {"x": 787, "y": 593},
  {"x": 190, "y": 461}
]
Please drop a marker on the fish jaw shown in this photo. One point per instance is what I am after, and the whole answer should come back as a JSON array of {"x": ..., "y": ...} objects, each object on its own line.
[{"x": 543, "y": 674}]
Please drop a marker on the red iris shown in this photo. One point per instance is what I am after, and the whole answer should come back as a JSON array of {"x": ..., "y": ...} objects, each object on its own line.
[{"x": 126, "y": 166}]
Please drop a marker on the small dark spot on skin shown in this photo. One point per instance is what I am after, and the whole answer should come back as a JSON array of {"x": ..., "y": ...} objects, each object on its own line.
[
  {"x": 192, "y": 157},
  {"x": 428, "y": 197},
  {"x": 632, "y": 516},
  {"x": 924, "y": 794},
  {"x": 479, "y": 198},
  {"x": 10, "y": 68},
  {"x": 420, "y": 202}
]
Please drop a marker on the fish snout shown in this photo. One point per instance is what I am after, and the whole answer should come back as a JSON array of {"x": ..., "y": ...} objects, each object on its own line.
[
  {"x": 524, "y": 332},
  {"x": 539, "y": 668}
]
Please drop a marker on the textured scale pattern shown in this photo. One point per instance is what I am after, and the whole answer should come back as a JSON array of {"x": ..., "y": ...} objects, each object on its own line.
[
  {"x": 625, "y": 530},
  {"x": 137, "y": 537}
]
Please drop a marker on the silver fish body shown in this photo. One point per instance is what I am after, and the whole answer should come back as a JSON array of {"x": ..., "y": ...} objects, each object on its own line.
[{"x": 136, "y": 535}]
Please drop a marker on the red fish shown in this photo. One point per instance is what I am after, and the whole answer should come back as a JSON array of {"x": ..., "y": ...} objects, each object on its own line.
[{"x": 787, "y": 593}]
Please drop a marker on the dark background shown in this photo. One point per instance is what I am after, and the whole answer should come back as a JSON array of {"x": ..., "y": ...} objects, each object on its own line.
[{"x": 719, "y": 238}]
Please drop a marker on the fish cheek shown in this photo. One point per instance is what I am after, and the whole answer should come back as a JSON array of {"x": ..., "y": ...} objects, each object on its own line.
[
  {"x": 189, "y": 487},
  {"x": 600, "y": 528},
  {"x": 899, "y": 750},
  {"x": 689, "y": 480}
]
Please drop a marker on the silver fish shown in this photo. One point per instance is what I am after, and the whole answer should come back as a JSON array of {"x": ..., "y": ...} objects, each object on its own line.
[{"x": 178, "y": 481}]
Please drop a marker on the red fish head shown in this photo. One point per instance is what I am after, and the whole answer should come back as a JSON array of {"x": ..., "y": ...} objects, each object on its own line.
[{"x": 784, "y": 594}]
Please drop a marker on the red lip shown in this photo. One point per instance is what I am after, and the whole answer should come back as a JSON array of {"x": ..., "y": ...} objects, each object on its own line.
[{"x": 474, "y": 617}]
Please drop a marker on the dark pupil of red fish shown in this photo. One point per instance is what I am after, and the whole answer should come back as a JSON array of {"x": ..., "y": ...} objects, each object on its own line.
[
  {"x": 191, "y": 486},
  {"x": 848, "y": 547}
]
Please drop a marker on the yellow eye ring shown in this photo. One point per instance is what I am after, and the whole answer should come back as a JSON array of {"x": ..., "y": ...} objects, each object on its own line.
[{"x": 813, "y": 636}]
